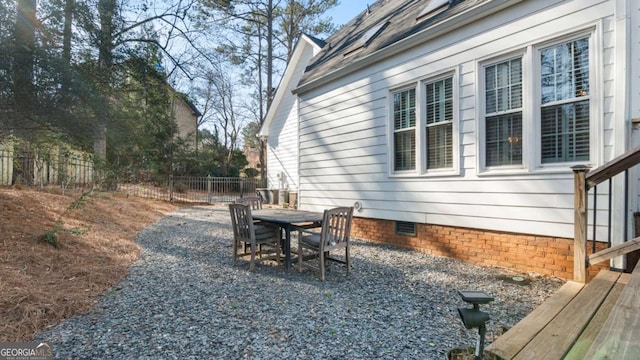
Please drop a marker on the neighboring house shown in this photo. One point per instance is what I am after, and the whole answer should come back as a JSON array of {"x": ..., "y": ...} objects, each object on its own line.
[
  {"x": 186, "y": 117},
  {"x": 453, "y": 125},
  {"x": 253, "y": 157},
  {"x": 140, "y": 74}
]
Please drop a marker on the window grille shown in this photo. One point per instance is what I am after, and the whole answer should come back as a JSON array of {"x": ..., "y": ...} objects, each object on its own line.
[
  {"x": 564, "y": 86},
  {"x": 503, "y": 110},
  {"x": 404, "y": 119},
  {"x": 439, "y": 116}
]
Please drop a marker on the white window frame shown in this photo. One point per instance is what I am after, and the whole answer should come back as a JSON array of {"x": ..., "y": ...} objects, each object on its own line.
[
  {"x": 455, "y": 154},
  {"x": 532, "y": 105},
  {"x": 482, "y": 115},
  {"x": 421, "y": 127},
  {"x": 392, "y": 131},
  {"x": 595, "y": 94}
]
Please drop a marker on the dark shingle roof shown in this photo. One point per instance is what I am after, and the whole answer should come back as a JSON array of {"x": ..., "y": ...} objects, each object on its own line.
[
  {"x": 321, "y": 43},
  {"x": 192, "y": 106},
  {"x": 345, "y": 46}
]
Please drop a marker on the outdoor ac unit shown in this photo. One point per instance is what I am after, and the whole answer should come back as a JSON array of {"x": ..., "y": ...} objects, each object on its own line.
[{"x": 282, "y": 180}]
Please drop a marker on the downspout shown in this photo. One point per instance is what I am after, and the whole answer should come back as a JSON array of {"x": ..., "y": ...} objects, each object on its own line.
[
  {"x": 263, "y": 140},
  {"x": 621, "y": 122}
]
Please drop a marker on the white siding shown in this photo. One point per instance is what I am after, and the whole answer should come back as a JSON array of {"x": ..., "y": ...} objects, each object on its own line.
[
  {"x": 282, "y": 145},
  {"x": 634, "y": 94},
  {"x": 635, "y": 60},
  {"x": 344, "y": 155},
  {"x": 282, "y": 151}
]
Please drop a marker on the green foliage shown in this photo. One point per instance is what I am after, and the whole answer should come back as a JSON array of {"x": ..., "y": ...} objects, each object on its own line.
[
  {"x": 250, "y": 135},
  {"x": 251, "y": 172},
  {"x": 80, "y": 202},
  {"x": 51, "y": 236},
  {"x": 180, "y": 187},
  {"x": 259, "y": 39},
  {"x": 108, "y": 78},
  {"x": 76, "y": 231},
  {"x": 210, "y": 159},
  {"x": 302, "y": 17},
  {"x": 142, "y": 141}
]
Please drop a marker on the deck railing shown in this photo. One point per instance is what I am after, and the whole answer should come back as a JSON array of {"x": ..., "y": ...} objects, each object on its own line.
[{"x": 585, "y": 180}]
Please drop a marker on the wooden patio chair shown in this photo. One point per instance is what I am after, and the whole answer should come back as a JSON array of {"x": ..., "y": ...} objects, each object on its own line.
[
  {"x": 255, "y": 237},
  {"x": 254, "y": 201},
  {"x": 334, "y": 235}
]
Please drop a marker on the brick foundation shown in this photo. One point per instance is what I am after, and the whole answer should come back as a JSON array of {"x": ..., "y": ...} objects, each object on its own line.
[{"x": 527, "y": 253}]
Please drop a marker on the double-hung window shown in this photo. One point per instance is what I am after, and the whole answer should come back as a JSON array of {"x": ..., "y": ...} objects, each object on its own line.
[
  {"x": 503, "y": 113},
  {"x": 439, "y": 123},
  {"x": 404, "y": 130},
  {"x": 564, "y": 113},
  {"x": 544, "y": 94},
  {"x": 423, "y": 126}
]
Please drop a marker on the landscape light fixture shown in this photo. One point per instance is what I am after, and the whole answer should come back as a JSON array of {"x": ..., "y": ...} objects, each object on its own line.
[{"x": 474, "y": 318}]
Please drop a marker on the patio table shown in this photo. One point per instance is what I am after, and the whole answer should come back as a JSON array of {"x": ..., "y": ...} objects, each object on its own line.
[{"x": 288, "y": 219}]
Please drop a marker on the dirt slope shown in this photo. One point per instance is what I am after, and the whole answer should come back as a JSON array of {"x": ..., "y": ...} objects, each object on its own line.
[{"x": 59, "y": 253}]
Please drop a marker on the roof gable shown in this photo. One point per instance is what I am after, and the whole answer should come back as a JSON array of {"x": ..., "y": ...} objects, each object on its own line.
[{"x": 289, "y": 80}]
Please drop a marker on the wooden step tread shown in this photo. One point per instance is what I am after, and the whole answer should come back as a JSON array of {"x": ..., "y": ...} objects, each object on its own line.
[
  {"x": 511, "y": 342},
  {"x": 550, "y": 330},
  {"x": 555, "y": 340},
  {"x": 618, "y": 338},
  {"x": 588, "y": 336}
]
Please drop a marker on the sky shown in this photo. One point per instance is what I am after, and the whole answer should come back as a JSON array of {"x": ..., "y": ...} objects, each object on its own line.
[{"x": 347, "y": 10}]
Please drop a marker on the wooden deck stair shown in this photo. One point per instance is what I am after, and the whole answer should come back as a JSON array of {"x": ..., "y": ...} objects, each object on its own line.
[{"x": 600, "y": 320}]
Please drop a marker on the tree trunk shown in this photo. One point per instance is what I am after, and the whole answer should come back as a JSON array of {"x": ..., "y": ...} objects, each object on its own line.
[
  {"x": 23, "y": 66},
  {"x": 106, "y": 11},
  {"x": 269, "y": 55},
  {"x": 66, "y": 48}
]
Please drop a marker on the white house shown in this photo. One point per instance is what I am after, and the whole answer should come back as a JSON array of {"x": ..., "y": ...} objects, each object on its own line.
[
  {"x": 281, "y": 123},
  {"x": 452, "y": 126}
]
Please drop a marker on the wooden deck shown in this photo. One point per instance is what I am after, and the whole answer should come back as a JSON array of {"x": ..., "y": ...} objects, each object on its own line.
[{"x": 600, "y": 320}]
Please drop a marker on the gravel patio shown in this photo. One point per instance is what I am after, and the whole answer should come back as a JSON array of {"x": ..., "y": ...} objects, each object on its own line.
[{"x": 186, "y": 299}]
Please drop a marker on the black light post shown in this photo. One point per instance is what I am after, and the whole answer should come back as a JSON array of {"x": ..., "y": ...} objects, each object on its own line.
[{"x": 472, "y": 318}]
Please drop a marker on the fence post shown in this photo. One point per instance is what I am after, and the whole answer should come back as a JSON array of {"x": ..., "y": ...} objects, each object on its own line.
[
  {"x": 170, "y": 187},
  {"x": 209, "y": 194},
  {"x": 580, "y": 223}
]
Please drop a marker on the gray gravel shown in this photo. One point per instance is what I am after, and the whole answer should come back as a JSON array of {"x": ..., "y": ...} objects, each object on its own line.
[{"x": 186, "y": 299}]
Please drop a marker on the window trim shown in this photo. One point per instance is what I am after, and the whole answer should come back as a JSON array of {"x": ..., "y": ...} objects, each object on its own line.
[
  {"x": 419, "y": 86},
  {"x": 595, "y": 94},
  {"x": 482, "y": 115},
  {"x": 532, "y": 104},
  {"x": 392, "y": 131},
  {"x": 455, "y": 133}
]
